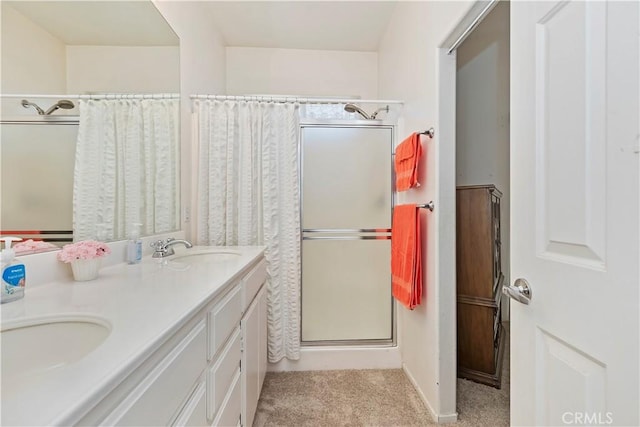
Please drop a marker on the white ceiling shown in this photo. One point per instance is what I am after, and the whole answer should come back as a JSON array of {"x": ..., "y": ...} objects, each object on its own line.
[
  {"x": 302, "y": 24},
  {"x": 328, "y": 25},
  {"x": 106, "y": 23}
]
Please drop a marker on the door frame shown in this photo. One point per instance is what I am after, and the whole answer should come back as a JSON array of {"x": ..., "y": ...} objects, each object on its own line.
[{"x": 446, "y": 199}]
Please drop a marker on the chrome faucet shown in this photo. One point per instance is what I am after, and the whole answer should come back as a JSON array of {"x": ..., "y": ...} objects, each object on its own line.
[{"x": 164, "y": 249}]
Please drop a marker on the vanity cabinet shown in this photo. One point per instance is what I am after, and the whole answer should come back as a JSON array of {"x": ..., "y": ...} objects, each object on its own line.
[
  {"x": 156, "y": 398},
  {"x": 254, "y": 340},
  {"x": 209, "y": 373},
  {"x": 195, "y": 411},
  {"x": 254, "y": 355},
  {"x": 224, "y": 355}
]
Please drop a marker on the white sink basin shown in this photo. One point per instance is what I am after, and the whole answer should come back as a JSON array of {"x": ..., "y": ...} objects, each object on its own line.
[
  {"x": 35, "y": 347},
  {"x": 206, "y": 255}
]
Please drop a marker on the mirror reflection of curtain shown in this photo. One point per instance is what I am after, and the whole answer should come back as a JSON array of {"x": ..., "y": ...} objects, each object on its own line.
[
  {"x": 127, "y": 168},
  {"x": 248, "y": 194}
]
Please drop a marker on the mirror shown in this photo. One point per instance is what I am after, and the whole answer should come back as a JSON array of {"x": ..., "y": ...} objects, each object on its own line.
[{"x": 57, "y": 50}]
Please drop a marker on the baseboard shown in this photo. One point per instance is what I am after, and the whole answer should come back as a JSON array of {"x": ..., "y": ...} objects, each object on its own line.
[
  {"x": 439, "y": 418},
  {"x": 335, "y": 358},
  {"x": 448, "y": 419}
]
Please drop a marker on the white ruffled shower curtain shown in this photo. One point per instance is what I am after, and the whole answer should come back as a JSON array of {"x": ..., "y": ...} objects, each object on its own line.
[
  {"x": 126, "y": 168},
  {"x": 248, "y": 194}
]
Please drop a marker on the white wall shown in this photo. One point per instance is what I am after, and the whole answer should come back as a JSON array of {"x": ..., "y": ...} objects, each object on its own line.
[
  {"x": 482, "y": 115},
  {"x": 408, "y": 70},
  {"x": 302, "y": 72},
  {"x": 128, "y": 69},
  {"x": 202, "y": 70},
  {"x": 33, "y": 61}
]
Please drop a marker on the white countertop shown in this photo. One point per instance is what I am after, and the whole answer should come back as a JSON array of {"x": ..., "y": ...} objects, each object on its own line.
[{"x": 144, "y": 304}]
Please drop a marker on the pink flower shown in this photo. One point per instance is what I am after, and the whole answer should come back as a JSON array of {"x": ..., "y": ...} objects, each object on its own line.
[{"x": 86, "y": 249}]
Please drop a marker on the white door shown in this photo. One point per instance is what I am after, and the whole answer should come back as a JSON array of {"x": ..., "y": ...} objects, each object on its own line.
[{"x": 575, "y": 212}]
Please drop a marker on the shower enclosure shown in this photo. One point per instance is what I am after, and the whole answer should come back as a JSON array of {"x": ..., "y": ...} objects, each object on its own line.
[
  {"x": 37, "y": 159},
  {"x": 346, "y": 200}
]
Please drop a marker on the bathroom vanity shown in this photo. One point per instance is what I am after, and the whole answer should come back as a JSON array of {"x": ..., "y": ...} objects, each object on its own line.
[{"x": 178, "y": 341}]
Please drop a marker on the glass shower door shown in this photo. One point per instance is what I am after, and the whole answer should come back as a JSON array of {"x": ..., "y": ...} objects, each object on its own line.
[
  {"x": 346, "y": 221},
  {"x": 37, "y": 157}
]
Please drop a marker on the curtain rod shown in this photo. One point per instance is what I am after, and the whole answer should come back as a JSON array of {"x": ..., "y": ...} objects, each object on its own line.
[
  {"x": 97, "y": 96},
  {"x": 295, "y": 99}
]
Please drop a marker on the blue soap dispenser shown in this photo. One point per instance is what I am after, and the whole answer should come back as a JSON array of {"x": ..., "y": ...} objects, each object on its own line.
[
  {"x": 13, "y": 272},
  {"x": 134, "y": 245}
]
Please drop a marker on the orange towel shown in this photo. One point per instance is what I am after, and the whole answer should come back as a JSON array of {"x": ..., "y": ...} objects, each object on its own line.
[
  {"x": 408, "y": 155},
  {"x": 406, "y": 256}
]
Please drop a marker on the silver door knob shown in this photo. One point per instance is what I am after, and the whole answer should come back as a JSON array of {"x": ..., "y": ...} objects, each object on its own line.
[{"x": 519, "y": 291}]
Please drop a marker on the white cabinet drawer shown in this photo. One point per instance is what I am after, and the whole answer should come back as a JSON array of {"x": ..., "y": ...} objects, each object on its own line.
[
  {"x": 229, "y": 413},
  {"x": 222, "y": 318},
  {"x": 159, "y": 395},
  {"x": 252, "y": 282},
  {"x": 220, "y": 375},
  {"x": 195, "y": 411}
]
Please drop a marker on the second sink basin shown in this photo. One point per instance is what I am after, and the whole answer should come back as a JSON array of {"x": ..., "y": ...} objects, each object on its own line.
[
  {"x": 205, "y": 255},
  {"x": 35, "y": 347}
]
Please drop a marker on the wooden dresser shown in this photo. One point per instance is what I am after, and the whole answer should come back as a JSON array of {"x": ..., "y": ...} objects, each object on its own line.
[{"x": 479, "y": 282}]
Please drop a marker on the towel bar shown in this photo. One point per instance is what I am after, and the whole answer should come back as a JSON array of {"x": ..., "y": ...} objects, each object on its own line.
[
  {"x": 429, "y": 206},
  {"x": 430, "y": 132}
]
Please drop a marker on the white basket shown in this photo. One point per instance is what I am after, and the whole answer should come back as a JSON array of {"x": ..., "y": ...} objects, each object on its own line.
[{"x": 85, "y": 269}]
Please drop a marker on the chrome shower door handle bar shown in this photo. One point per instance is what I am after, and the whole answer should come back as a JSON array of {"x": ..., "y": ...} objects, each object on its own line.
[{"x": 519, "y": 291}]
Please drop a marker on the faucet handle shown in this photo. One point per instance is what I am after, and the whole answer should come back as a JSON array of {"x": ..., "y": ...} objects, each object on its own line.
[{"x": 158, "y": 245}]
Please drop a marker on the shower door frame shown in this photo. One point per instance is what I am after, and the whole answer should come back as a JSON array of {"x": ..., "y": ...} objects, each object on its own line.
[{"x": 366, "y": 124}]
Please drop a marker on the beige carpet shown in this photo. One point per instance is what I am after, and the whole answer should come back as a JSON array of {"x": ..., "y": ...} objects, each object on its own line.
[
  {"x": 370, "y": 398},
  {"x": 479, "y": 405}
]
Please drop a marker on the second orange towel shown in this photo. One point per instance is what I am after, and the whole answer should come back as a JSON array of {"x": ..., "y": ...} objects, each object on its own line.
[{"x": 406, "y": 256}]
